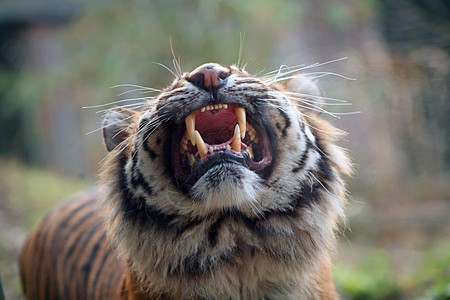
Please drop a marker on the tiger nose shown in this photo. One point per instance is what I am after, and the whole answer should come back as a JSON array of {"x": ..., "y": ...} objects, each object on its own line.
[{"x": 209, "y": 77}]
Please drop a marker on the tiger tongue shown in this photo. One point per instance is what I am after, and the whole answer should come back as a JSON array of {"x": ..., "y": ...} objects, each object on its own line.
[
  {"x": 196, "y": 139},
  {"x": 235, "y": 143},
  {"x": 239, "y": 113}
]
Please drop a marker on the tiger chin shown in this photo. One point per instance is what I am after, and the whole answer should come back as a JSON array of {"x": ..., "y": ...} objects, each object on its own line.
[{"x": 225, "y": 186}]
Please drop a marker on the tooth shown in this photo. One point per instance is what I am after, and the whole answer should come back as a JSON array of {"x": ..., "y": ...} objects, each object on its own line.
[
  {"x": 236, "y": 142},
  {"x": 250, "y": 151},
  {"x": 216, "y": 106},
  {"x": 183, "y": 148},
  {"x": 211, "y": 149},
  {"x": 201, "y": 147},
  {"x": 191, "y": 160},
  {"x": 190, "y": 127},
  {"x": 225, "y": 106},
  {"x": 240, "y": 115},
  {"x": 252, "y": 135},
  {"x": 256, "y": 137},
  {"x": 203, "y": 109},
  {"x": 184, "y": 140},
  {"x": 228, "y": 147},
  {"x": 220, "y": 105}
]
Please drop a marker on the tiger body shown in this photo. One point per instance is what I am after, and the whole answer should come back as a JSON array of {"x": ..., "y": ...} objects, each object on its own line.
[
  {"x": 202, "y": 201},
  {"x": 68, "y": 257}
]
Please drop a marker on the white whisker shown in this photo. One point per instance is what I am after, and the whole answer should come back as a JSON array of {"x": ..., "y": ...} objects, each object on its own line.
[
  {"x": 281, "y": 76},
  {"x": 241, "y": 48},
  {"x": 167, "y": 68},
  {"x": 103, "y": 127},
  {"x": 322, "y": 74},
  {"x": 134, "y": 106},
  {"x": 141, "y": 90},
  {"x": 134, "y": 85},
  {"x": 300, "y": 95},
  {"x": 119, "y": 101}
]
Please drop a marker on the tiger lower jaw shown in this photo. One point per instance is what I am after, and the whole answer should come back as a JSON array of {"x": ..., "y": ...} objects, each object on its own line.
[{"x": 228, "y": 185}]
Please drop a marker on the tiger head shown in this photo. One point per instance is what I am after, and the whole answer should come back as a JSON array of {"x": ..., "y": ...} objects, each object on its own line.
[{"x": 221, "y": 142}]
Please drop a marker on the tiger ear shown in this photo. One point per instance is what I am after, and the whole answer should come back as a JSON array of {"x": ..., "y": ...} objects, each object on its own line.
[
  {"x": 116, "y": 126},
  {"x": 309, "y": 95}
]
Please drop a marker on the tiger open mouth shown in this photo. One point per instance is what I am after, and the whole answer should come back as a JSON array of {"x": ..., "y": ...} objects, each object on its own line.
[{"x": 217, "y": 134}]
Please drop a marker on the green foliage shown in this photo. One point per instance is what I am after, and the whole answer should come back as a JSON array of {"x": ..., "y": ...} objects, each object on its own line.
[
  {"x": 433, "y": 273},
  {"x": 29, "y": 192},
  {"x": 372, "y": 278}
]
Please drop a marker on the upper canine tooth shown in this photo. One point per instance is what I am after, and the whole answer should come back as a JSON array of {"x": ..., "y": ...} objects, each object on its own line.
[
  {"x": 201, "y": 147},
  {"x": 236, "y": 142},
  {"x": 240, "y": 115},
  {"x": 225, "y": 106},
  {"x": 203, "y": 109},
  {"x": 190, "y": 127}
]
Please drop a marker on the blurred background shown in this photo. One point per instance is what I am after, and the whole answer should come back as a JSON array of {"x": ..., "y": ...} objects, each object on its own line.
[{"x": 57, "y": 57}]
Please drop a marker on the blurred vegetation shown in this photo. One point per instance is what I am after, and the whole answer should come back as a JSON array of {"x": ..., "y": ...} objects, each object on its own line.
[
  {"x": 59, "y": 56},
  {"x": 375, "y": 277}
]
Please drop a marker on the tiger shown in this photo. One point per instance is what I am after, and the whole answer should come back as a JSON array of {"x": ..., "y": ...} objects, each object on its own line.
[{"x": 224, "y": 186}]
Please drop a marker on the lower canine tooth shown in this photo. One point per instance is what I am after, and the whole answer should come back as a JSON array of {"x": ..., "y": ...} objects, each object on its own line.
[
  {"x": 250, "y": 151},
  {"x": 236, "y": 142},
  {"x": 201, "y": 147},
  {"x": 191, "y": 160},
  {"x": 183, "y": 148}
]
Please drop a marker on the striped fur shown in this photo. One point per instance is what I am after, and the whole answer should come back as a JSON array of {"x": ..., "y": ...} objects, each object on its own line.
[
  {"x": 67, "y": 256},
  {"x": 232, "y": 233}
]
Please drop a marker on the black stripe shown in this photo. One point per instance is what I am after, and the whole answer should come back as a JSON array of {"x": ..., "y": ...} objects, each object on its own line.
[
  {"x": 199, "y": 263},
  {"x": 287, "y": 122},
  {"x": 41, "y": 260},
  {"x": 113, "y": 277},
  {"x": 137, "y": 211},
  {"x": 214, "y": 231},
  {"x": 142, "y": 124},
  {"x": 106, "y": 255},
  {"x": 137, "y": 179},
  {"x": 325, "y": 173},
  {"x": 87, "y": 267},
  {"x": 308, "y": 194},
  {"x": 248, "y": 81},
  {"x": 149, "y": 150},
  {"x": 301, "y": 162},
  {"x": 82, "y": 247},
  {"x": 173, "y": 94},
  {"x": 150, "y": 128},
  {"x": 72, "y": 231}
]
